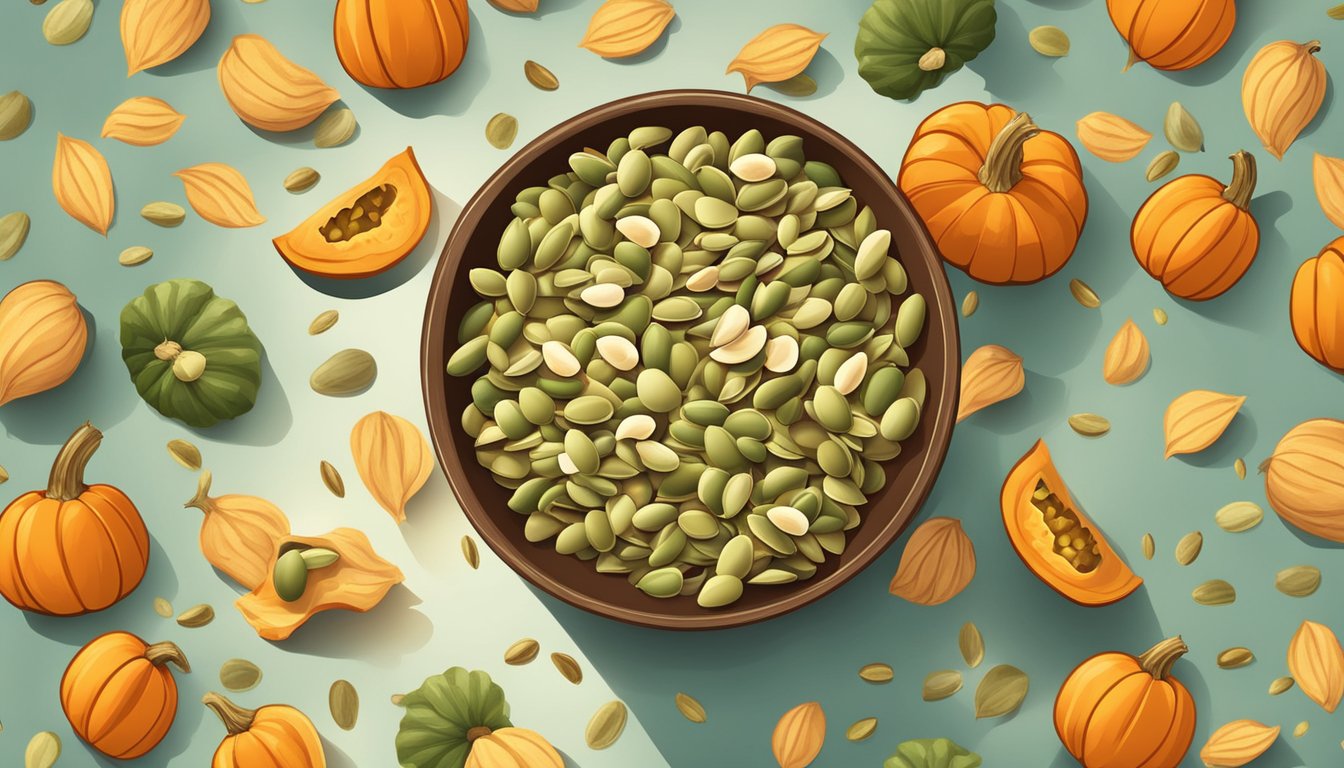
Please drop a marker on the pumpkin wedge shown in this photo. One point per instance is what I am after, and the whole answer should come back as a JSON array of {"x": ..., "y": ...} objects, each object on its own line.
[
  {"x": 1056, "y": 540},
  {"x": 367, "y": 229}
]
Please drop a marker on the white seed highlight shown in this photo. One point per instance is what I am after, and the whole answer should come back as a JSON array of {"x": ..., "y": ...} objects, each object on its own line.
[
  {"x": 618, "y": 351},
  {"x": 753, "y": 167},
  {"x": 637, "y": 427},
  {"x": 603, "y": 295},
  {"x": 789, "y": 520},
  {"x": 567, "y": 464},
  {"x": 850, "y": 374},
  {"x": 743, "y": 348},
  {"x": 704, "y": 279},
  {"x": 781, "y": 354},
  {"x": 731, "y": 326},
  {"x": 559, "y": 359},
  {"x": 639, "y": 230}
]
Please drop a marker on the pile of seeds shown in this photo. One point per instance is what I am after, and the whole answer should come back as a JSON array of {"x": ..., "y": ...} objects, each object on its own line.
[{"x": 695, "y": 359}]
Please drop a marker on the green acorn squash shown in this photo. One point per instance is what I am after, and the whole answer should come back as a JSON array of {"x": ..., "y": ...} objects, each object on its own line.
[
  {"x": 445, "y": 715},
  {"x": 932, "y": 753},
  {"x": 190, "y": 353},
  {"x": 905, "y": 47}
]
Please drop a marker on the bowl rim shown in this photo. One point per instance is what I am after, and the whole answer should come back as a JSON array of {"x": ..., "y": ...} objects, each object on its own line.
[{"x": 441, "y": 420}]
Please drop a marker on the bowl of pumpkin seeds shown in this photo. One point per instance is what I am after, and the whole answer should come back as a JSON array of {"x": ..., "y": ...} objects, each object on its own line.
[{"x": 690, "y": 361}]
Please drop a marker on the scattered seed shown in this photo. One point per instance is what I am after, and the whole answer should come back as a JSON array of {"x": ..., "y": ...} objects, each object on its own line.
[
  {"x": 470, "y": 553},
  {"x": 43, "y": 750},
  {"x": 1182, "y": 129},
  {"x": 331, "y": 477},
  {"x": 1298, "y": 581},
  {"x": 799, "y": 86},
  {"x": 134, "y": 256},
  {"x": 163, "y": 607},
  {"x": 1336, "y": 12},
  {"x": 1160, "y": 315},
  {"x": 1280, "y": 685},
  {"x": 971, "y": 643},
  {"x": 568, "y": 667},
  {"x": 1149, "y": 547},
  {"x": 347, "y": 372},
  {"x": 861, "y": 729},
  {"x": 941, "y": 684},
  {"x": 335, "y": 129},
  {"x": 1235, "y": 658},
  {"x": 1083, "y": 294},
  {"x": 522, "y": 652},
  {"x": 1049, "y": 41},
  {"x": 1239, "y": 516},
  {"x": 970, "y": 304},
  {"x": 1240, "y": 467},
  {"x": 1188, "y": 548},
  {"x": 540, "y": 76},
  {"x": 67, "y": 21},
  {"x": 1301, "y": 729},
  {"x": 690, "y": 708},
  {"x": 1214, "y": 592},
  {"x": 501, "y": 130},
  {"x": 1001, "y": 691},
  {"x": 185, "y": 453},
  {"x": 301, "y": 180},
  {"x": 323, "y": 322},
  {"x": 398, "y": 699},
  {"x": 164, "y": 214},
  {"x": 4, "y": 474},
  {"x": 606, "y": 725},
  {"x": 1162, "y": 164},
  {"x": 196, "y": 616},
  {"x": 239, "y": 675},
  {"x": 343, "y": 700},
  {"x": 16, "y": 114},
  {"x": 1089, "y": 424},
  {"x": 876, "y": 673}
]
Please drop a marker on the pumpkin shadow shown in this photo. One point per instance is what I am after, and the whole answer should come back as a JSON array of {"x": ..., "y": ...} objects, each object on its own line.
[
  {"x": 381, "y": 636},
  {"x": 209, "y": 47},
  {"x": 433, "y": 521},
  {"x": 445, "y": 212},
  {"x": 1309, "y": 539},
  {"x": 266, "y": 424},
  {"x": 1252, "y": 19},
  {"x": 1040, "y": 401},
  {"x": 1010, "y": 68},
  {"x": 1280, "y": 755},
  {"x": 1237, "y": 440},
  {"x": 451, "y": 96},
  {"x": 336, "y": 757}
]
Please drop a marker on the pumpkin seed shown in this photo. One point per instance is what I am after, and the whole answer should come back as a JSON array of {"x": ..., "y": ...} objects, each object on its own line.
[
  {"x": 1188, "y": 548},
  {"x": 970, "y": 303},
  {"x": 1089, "y": 424},
  {"x": 134, "y": 256},
  {"x": 501, "y": 130},
  {"x": 67, "y": 21},
  {"x": 1160, "y": 315},
  {"x": 1280, "y": 685},
  {"x": 1049, "y": 41},
  {"x": 331, "y": 477},
  {"x": 398, "y": 699},
  {"x": 799, "y": 86},
  {"x": 13, "y": 233},
  {"x": 861, "y": 729},
  {"x": 1162, "y": 164},
  {"x": 196, "y": 616},
  {"x": 1335, "y": 12},
  {"x": 290, "y": 576},
  {"x": 4, "y": 475},
  {"x": 540, "y": 76},
  {"x": 239, "y": 675},
  {"x": 185, "y": 453},
  {"x": 343, "y": 700},
  {"x": 1235, "y": 658},
  {"x": 16, "y": 113},
  {"x": 1182, "y": 129},
  {"x": 347, "y": 372},
  {"x": 42, "y": 751},
  {"x": 1001, "y": 691},
  {"x": 163, "y": 607},
  {"x": 568, "y": 667},
  {"x": 1239, "y": 466},
  {"x": 606, "y": 725},
  {"x": 164, "y": 214},
  {"x": 522, "y": 652},
  {"x": 1149, "y": 546},
  {"x": 323, "y": 322},
  {"x": 1214, "y": 592},
  {"x": 1239, "y": 516},
  {"x": 690, "y": 708},
  {"x": 301, "y": 180},
  {"x": 1301, "y": 729},
  {"x": 1298, "y": 581},
  {"x": 972, "y": 645},
  {"x": 1083, "y": 294},
  {"x": 470, "y": 553},
  {"x": 335, "y": 128},
  {"x": 876, "y": 673},
  {"x": 941, "y": 684}
]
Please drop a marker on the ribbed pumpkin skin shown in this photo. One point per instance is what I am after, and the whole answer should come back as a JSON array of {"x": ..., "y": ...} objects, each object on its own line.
[
  {"x": 513, "y": 748},
  {"x": 1317, "y": 306},
  {"x": 401, "y": 43},
  {"x": 280, "y": 737},
  {"x": 116, "y": 699},
  {"x": 1192, "y": 239},
  {"x": 1173, "y": 34}
]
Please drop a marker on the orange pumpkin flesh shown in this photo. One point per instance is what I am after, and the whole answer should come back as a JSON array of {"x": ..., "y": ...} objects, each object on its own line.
[
  {"x": 74, "y": 548},
  {"x": 1173, "y": 34},
  {"x": 401, "y": 43},
  {"x": 1038, "y": 512},
  {"x": 1118, "y": 711},
  {"x": 367, "y": 229},
  {"x": 119, "y": 695},
  {"x": 274, "y": 736},
  {"x": 1003, "y": 199},
  {"x": 1317, "y": 306},
  {"x": 1195, "y": 235}
]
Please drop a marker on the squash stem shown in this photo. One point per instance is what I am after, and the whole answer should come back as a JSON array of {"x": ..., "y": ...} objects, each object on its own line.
[
  {"x": 202, "y": 500},
  {"x": 1003, "y": 162},
  {"x": 477, "y": 731},
  {"x": 1157, "y": 660},
  {"x": 236, "y": 719},
  {"x": 1242, "y": 186},
  {"x": 167, "y": 350},
  {"x": 159, "y": 654},
  {"x": 1134, "y": 58},
  {"x": 66, "y": 481}
]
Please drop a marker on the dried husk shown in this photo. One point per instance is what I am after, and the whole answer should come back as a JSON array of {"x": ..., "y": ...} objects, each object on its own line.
[
  {"x": 776, "y": 54},
  {"x": 1327, "y": 174},
  {"x": 82, "y": 183},
  {"x": 220, "y": 194},
  {"x": 1196, "y": 419},
  {"x": 1127, "y": 356},
  {"x": 1111, "y": 137},
  {"x": 155, "y": 32},
  {"x": 1238, "y": 743},
  {"x": 1304, "y": 478},
  {"x": 1281, "y": 92},
  {"x": 267, "y": 90},
  {"x": 240, "y": 534},
  {"x": 142, "y": 121},
  {"x": 393, "y": 460},
  {"x": 991, "y": 375},
  {"x": 937, "y": 564},
  {"x": 1316, "y": 662},
  {"x": 621, "y": 28},
  {"x": 799, "y": 736},
  {"x": 43, "y": 334}
]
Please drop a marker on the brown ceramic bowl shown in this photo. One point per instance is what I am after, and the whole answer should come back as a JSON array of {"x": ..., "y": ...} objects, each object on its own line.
[{"x": 472, "y": 244}]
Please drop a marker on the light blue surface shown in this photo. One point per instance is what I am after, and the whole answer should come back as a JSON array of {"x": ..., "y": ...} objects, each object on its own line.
[{"x": 447, "y": 614}]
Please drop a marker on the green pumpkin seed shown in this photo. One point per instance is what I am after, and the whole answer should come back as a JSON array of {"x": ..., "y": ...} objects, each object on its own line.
[
  {"x": 501, "y": 130},
  {"x": 1049, "y": 41},
  {"x": 1162, "y": 164},
  {"x": 719, "y": 590},
  {"x": 942, "y": 684},
  {"x": 347, "y": 372},
  {"x": 1182, "y": 129},
  {"x": 16, "y": 113},
  {"x": 343, "y": 701},
  {"x": 197, "y": 616},
  {"x": 1298, "y": 581},
  {"x": 13, "y": 233},
  {"x": 239, "y": 675},
  {"x": 290, "y": 576},
  {"x": 1215, "y": 592},
  {"x": 799, "y": 86}
]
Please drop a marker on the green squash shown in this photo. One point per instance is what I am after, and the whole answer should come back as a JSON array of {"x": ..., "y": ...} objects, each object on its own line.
[
  {"x": 445, "y": 714},
  {"x": 932, "y": 753},
  {"x": 905, "y": 47},
  {"x": 190, "y": 352}
]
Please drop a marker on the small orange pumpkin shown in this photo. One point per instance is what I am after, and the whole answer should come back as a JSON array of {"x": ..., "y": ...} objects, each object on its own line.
[
  {"x": 119, "y": 694},
  {"x": 367, "y": 229},
  {"x": 274, "y": 736},
  {"x": 1003, "y": 200},
  {"x": 1195, "y": 235},
  {"x": 513, "y": 748},
  {"x": 401, "y": 43},
  {"x": 1040, "y": 514},
  {"x": 73, "y": 548},
  {"x": 1118, "y": 711},
  {"x": 1173, "y": 34},
  {"x": 1317, "y": 306}
]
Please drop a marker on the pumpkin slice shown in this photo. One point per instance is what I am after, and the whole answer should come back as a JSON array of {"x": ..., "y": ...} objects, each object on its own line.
[
  {"x": 368, "y": 228},
  {"x": 1039, "y": 515}
]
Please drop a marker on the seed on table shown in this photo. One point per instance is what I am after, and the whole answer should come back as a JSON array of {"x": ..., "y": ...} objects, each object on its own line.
[
  {"x": 568, "y": 667},
  {"x": 522, "y": 652},
  {"x": 301, "y": 180},
  {"x": 501, "y": 130},
  {"x": 1240, "y": 467},
  {"x": 1214, "y": 592},
  {"x": 239, "y": 675},
  {"x": 1235, "y": 658},
  {"x": 690, "y": 708},
  {"x": 1149, "y": 546},
  {"x": 1083, "y": 294},
  {"x": 970, "y": 303},
  {"x": 1189, "y": 547},
  {"x": 861, "y": 729},
  {"x": 876, "y": 673},
  {"x": 197, "y": 616},
  {"x": 163, "y": 607},
  {"x": 135, "y": 256},
  {"x": 1280, "y": 685},
  {"x": 331, "y": 478},
  {"x": 470, "y": 553},
  {"x": 606, "y": 725},
  {"x": 972, "y": 644},
  {"x": 1160, "y": 315},
  {"x": 1298, "y": 581},
  {"x": 539, "y": 76},
  {"x": 185, "y": 453},
  {"x": 1301, "y": 729},
  {"x": 941, "y": 684}
]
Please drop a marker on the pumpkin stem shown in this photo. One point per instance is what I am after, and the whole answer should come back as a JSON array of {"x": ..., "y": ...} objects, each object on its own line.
[
  {"x": 236, "y": 719},
  {"x": 159, "y": 654},
  {"x": 1157, "y": 660},
  {"x": 476, "y": 732},
  {"x": 1313, "y": 46},
  {"x": 202, "y": 500},
  {"x": 1242, "y": 186},
  {"x": 1003, "y": 162},
  {"x": 168, "y": 350},
  {"x": 933, "y": 59},
  {"x": 66, "y": 481},
  {"x": 1134, "y": 58}
]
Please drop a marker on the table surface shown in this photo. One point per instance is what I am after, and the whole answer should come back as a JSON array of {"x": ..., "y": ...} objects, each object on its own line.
[{"x": 447, "y": 614}]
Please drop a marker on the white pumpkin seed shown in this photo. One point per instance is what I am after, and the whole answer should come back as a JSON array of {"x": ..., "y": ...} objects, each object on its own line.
[
  {"x": 1089, "y": 424},
  {"x": 1182, "y": 129},
  {"x": 335, "y": 128},
  {"x": 1298, "y": 581},
  {"x": 134, "y": 256},
  {"x": 1239, "y": 516},
  {"x": 163, "y": 607},
  {"x": 1188, "y": 548},
  {"x": 43, "y": 750},
  {"x": 876, "y": 673},
  {"x": 323, "y": 322},
  {"x": 1214, "y": 592},
  {"x": 1149, "y": 546},
  {"x": 67, "y": 21}
]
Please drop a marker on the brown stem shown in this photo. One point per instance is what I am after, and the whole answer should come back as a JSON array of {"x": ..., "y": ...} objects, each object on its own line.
[
  {"x": 476, "y": 732},
  {"x": 162, "y": 653},
  {"x": 66, "y": 481},
  {"x": 1238, "y": 191},
  {"x": 1157, "y": 660},
  {"x": 1134, "y": 58},
  {"x": 202, "y": 499},
  {"x": 1312, "y": 46},
  {"x": 1003, "y": 162},
  {"x": 236, "y": 719},
  {"x": 167, "y": 350}
]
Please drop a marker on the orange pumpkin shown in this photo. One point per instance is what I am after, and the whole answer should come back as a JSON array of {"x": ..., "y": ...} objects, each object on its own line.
[
  {"x": 401, "y": 43},
  {"x": 1003, "y": 199},
  {"x": 1317, "y": 306},
  {"x": 1055, "y": 540},
  {"x": 275, "y": 736},
  {"x": 1195, "y": 235},
  {"x": 1118, "y": 711},
  {"x": 119, "y": 694},
  {"x": 513, "y": 748},
  {"x": 1173, "y": 34},
  {"x": 73, "y": 548},
  {"x": 367, "y": 229}
]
